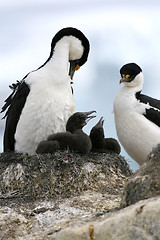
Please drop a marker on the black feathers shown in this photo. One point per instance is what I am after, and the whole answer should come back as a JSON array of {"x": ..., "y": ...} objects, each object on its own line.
[
  {"x": 71, "y": 32},
  {"x": 74, "y": 138},
  {"x": 131, "y": 69},
  {"x": 100, "y": 143},
  {"x": 152, "y": 113},
  {"x": 76, "y": 33},
  {"x": 16, "y": 101},
  {"x": 97, "y": 135},
  {"x": 146, "y": 99},
  {"x": 14, "y": 105}
]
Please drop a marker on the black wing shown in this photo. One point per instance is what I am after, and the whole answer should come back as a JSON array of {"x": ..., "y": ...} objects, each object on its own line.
[
  {"x": 153, "y": 113},
  {"x": 13, "y": 107}
]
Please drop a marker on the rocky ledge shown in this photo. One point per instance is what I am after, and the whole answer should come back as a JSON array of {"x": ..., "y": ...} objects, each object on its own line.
[{"x": 67, "y": 196}]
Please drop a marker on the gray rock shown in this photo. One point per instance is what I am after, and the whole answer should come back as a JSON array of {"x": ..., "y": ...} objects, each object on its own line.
[
  {"x": 43, "y": 194},
  {"x": 145, "y": 183},
  {"x": 68, "y": 196},
  {"x": 139, "y": 221},
  {"x": 65, "y": 222}
]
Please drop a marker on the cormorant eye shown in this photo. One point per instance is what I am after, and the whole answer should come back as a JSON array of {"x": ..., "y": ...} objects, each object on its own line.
[{"x": 126, "y": 76}]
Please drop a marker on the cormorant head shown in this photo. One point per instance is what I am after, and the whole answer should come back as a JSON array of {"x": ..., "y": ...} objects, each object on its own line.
[
  {"x": 97, "y": 134},
  {"x": 131, "y": 75},
  {"x": 79, "y": 47},
  {"x": 98, "y": 128},
  {"x": 78, "y": 120}
]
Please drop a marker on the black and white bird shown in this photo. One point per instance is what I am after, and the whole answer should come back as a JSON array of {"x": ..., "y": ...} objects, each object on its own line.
[
  {"x": 73, "y": 138},
  {"x": 42, "y": 101},
  {"x": 137, "y": 116},
  {"x": 100, "y": 143}
]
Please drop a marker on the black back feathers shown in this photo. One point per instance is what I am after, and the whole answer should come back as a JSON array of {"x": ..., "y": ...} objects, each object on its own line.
[
  {"x": 152, "y": 111},
  {"x": 15, "y": 103}
]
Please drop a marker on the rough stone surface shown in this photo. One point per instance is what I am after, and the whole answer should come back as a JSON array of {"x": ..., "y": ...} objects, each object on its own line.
[
  {"x": 145, "y": 183},
  {"x": 47, "y": 221},
  {"x": 43, "y": 194},
  {"x": 140, "y": 221},
  {"x": 68, "y": 196}
]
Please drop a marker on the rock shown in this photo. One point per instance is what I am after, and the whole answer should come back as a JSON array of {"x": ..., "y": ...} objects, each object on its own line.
[
  {"x": 63, "y": 222},
  {"x": 139, "y": 221},
  {"x": 43, "y": 194},
  {"x": 68, "y": 196},
  {"x": 145, "y": 183}
]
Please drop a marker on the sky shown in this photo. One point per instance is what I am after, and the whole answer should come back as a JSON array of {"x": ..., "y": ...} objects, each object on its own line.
[{"x": 119, "y": 32}]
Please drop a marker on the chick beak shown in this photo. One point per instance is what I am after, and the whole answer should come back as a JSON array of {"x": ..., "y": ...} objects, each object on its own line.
[
  {"x": 101, "y": 121},
  {"x": 88, "y": 117}
]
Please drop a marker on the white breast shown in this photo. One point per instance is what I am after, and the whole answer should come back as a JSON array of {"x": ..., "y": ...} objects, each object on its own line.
[
  {"x": 135, "y": 132},
  {"x": 47, "y": 109}
]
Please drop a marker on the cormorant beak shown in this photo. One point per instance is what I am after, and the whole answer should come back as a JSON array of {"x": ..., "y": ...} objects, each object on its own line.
[
  {"x": 73, "y": 67},
  {"x": 126, "y": 78},
  {"x": 101, "y": 121},
  {"x": 122, "y": 80},
  {"x": 88, "y": 117}
]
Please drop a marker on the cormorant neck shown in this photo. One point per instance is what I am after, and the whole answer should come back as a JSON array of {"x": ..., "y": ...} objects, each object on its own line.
[
  {"x": 60, "y": 57},
  {"x": 71, "y": 128},
  {"x": 58, "y": 61}
]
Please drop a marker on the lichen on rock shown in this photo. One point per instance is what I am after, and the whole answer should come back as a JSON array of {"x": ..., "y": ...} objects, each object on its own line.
[
  {"x": 145, "y": 183},
  {"x": 69, "y": 196}
]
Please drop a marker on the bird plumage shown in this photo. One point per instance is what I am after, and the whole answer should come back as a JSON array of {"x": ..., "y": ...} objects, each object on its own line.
[
  {"x": 73, "y": 138},
  {"x": 100, "y": 143},
  {"x": 43, "y": 101},
  {"x": 15, "y": 103},
  {"x": 137, "y": 116}
]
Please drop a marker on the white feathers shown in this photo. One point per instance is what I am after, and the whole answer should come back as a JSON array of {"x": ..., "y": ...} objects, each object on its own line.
[
  {"x": 46, "y": 111},
  {"x": 136, "y": 133},
  {"x": 137, "y": 82},
  {"x": 73, "y": 44},
  {"x": 50, "y": 101}
]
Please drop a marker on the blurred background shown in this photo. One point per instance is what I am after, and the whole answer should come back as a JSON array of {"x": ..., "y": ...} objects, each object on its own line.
[{"x": 119, "y": 31}]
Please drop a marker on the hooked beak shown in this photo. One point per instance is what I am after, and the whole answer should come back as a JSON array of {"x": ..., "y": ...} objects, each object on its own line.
[
  {"x": 88, "y": 117},
  {"x": 101, "y": 121},
  {"x": 73, "y": 67},
  {"x": 124, "y": 80}
]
